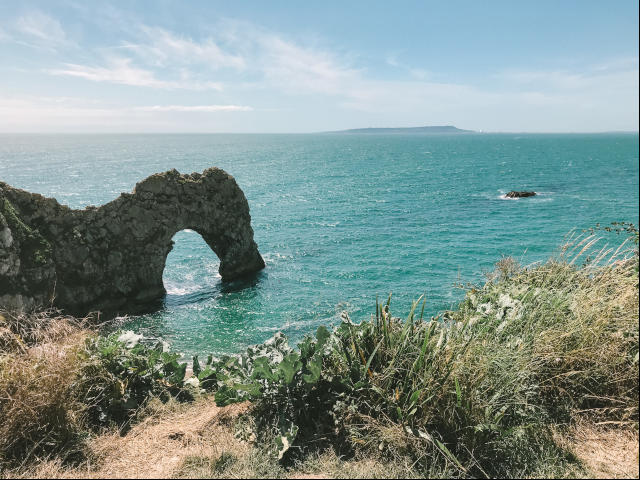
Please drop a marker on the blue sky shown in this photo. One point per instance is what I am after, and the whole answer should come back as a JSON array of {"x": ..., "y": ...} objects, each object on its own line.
[{"x": 257, "y": 66}]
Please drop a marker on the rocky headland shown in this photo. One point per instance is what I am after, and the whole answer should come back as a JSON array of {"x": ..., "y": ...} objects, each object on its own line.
[{"x": 112, "y": 257}]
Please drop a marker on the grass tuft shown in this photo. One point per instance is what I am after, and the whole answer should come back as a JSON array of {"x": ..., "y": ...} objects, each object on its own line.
[{"x": 38, "y": 367}]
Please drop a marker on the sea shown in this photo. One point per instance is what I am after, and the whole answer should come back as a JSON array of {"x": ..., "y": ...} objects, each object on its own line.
[{"x": 344, "y": 219}]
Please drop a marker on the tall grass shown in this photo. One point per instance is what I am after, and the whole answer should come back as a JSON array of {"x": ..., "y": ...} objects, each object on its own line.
[
  {"x": 39, "y": 412},
  {"x": 60, "y": 383},
  {"x": 531, "y": 348}
]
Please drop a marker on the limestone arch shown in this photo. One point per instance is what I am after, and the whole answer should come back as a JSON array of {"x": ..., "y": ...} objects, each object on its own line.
[{"x": 112, "y": 257}]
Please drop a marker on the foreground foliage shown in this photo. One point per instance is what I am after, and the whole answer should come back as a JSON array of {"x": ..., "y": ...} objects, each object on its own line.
[
  {"x": 531, "y": 351},
  {"x": 39, "y": 413},
  {"x": 60, "y": 382},
  {"x": 119, "y": 374},
  {"x": 532, "y": 348}
]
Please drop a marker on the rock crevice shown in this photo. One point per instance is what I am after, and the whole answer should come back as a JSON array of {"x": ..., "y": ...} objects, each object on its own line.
[{"x": 112, "y": 257}]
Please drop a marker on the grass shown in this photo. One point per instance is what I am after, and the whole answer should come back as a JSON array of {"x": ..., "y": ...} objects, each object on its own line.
[
  {"x": 533, "y": 350},
  {"x": 38, "y": 365},
  {"x": 533, "y": 347},
  {"x": 534, "y": 374}
]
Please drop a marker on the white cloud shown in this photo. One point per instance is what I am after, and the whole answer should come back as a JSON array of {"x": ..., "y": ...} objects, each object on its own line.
[
  {"x": 591, "y": 107},
  {"x": 196, "y": 108},
  {"x": 613, "y": 74},
  {"x": 306, "y": 80},
  {"x": 56, "y": 114},
  {"x": 163, "y": 59},
  {"x": 41, "y": 29},
  {"x": 301, "y": 69},
  {"x": 120, "y": 71},
  {"x": 164, "y": 48}
]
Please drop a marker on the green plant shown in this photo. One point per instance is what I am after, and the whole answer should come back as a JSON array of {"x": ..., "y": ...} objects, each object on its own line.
[
  {"x": 35, "y": 249},
  {"x": 284, "y": 384},
  {"x": 120, "y": 374},
  {"x": 531, "y": 348}
]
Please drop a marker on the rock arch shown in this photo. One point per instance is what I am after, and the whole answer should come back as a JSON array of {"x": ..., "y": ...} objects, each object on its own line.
[{"x": 112, "y": 257}]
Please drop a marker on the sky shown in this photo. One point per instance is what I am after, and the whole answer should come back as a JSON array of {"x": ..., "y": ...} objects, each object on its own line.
[{"x": 292, "y": 67}]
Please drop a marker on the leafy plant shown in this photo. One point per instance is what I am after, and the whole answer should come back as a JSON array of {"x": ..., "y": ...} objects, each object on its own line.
[
  {"x": 283, "y": 382},
  {"x": 120, "y": 374}
]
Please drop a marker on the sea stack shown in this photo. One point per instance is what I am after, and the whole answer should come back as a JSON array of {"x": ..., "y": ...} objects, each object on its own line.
[{"x": 516, "y": 194}]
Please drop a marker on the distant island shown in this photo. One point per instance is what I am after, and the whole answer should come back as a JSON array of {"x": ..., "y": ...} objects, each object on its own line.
[{"x": 448, "y": 129}]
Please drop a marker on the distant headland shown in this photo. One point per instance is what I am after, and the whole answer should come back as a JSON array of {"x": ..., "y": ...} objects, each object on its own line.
[{"x": 432, "y": 130}]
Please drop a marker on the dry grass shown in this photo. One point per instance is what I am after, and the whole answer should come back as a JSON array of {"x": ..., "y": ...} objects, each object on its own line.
[
  {"x": 607, "y": 451},
  {"x": 157, "y": 447},
  {"x": 330, "y": 465},
  {"x": 38, "y": 365},
  {"x": 197, "y": 441}
]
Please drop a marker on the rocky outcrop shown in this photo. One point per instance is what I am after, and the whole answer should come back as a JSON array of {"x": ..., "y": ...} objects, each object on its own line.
[
  {"x": 514, "y": 194},
  {"x": 112, "y": 257}
]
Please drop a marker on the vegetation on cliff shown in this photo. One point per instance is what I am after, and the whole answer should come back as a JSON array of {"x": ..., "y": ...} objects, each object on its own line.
[
  {"x": 487, "y": 389},
  {"x": 37, "y": 251}
]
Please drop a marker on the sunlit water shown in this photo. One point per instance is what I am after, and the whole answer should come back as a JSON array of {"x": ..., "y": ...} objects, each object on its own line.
[{"x": 341, "y": 219}]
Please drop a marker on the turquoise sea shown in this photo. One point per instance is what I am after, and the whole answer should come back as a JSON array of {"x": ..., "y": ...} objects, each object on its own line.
[{"x": 340, "y": 219}]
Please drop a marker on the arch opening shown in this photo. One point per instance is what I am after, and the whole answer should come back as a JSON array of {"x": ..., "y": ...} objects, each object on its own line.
[{"x": 190, "y": 271}]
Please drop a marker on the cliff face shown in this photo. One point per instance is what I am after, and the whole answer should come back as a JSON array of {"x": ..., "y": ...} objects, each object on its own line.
[{"x": 112, "y": 257}]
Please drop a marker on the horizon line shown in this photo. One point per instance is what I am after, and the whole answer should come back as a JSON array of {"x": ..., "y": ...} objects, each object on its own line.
[{"x": 470, "y": 132}]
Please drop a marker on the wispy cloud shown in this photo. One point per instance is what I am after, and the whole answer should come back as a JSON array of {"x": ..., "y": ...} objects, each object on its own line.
[
  {"x": 613, "y": 73},
  {"x": 300, "y": 69},
  {"x": 417, "y": 73},
  {"x": 195, "y": 108},
  {"x": 159, "y": 58},
  {"x": 37, "y": 29},
  {"x": 276, "y": 73},
  {"x": 121, "y": 71},
  {"x": 41, "y": 113},
  {"x": 164, "y": 48}
]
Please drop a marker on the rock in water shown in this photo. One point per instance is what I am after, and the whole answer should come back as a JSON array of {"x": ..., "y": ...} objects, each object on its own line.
[
  {"x": 514, "y": 194},
  {"x": 112, "y": 257}
]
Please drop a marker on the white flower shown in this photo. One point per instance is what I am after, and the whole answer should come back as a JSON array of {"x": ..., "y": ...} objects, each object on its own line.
[
  {"x": 193, "y": 382},
  {"x": 129, "y": 339}
]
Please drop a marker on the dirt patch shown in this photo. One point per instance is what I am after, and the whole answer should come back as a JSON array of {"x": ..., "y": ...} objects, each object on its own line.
[
  {"x": 307, "y": 476},
  {"x": 608, "y": 452},
  {"x": 159, "y": 446}
]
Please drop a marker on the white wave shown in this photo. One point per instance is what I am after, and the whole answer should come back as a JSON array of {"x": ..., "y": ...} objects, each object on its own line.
[{"x": 181, "y": 288}]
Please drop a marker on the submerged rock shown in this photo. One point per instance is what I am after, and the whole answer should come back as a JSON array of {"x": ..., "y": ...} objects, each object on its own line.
[
  {"x": 112, "y": 257},
  {"x": 515, "y": 194}
]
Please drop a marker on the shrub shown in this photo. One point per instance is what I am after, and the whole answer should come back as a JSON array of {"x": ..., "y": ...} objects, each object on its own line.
[
  {"x": 286, "y": 384},
  {"x": 119, "y": 374}
]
